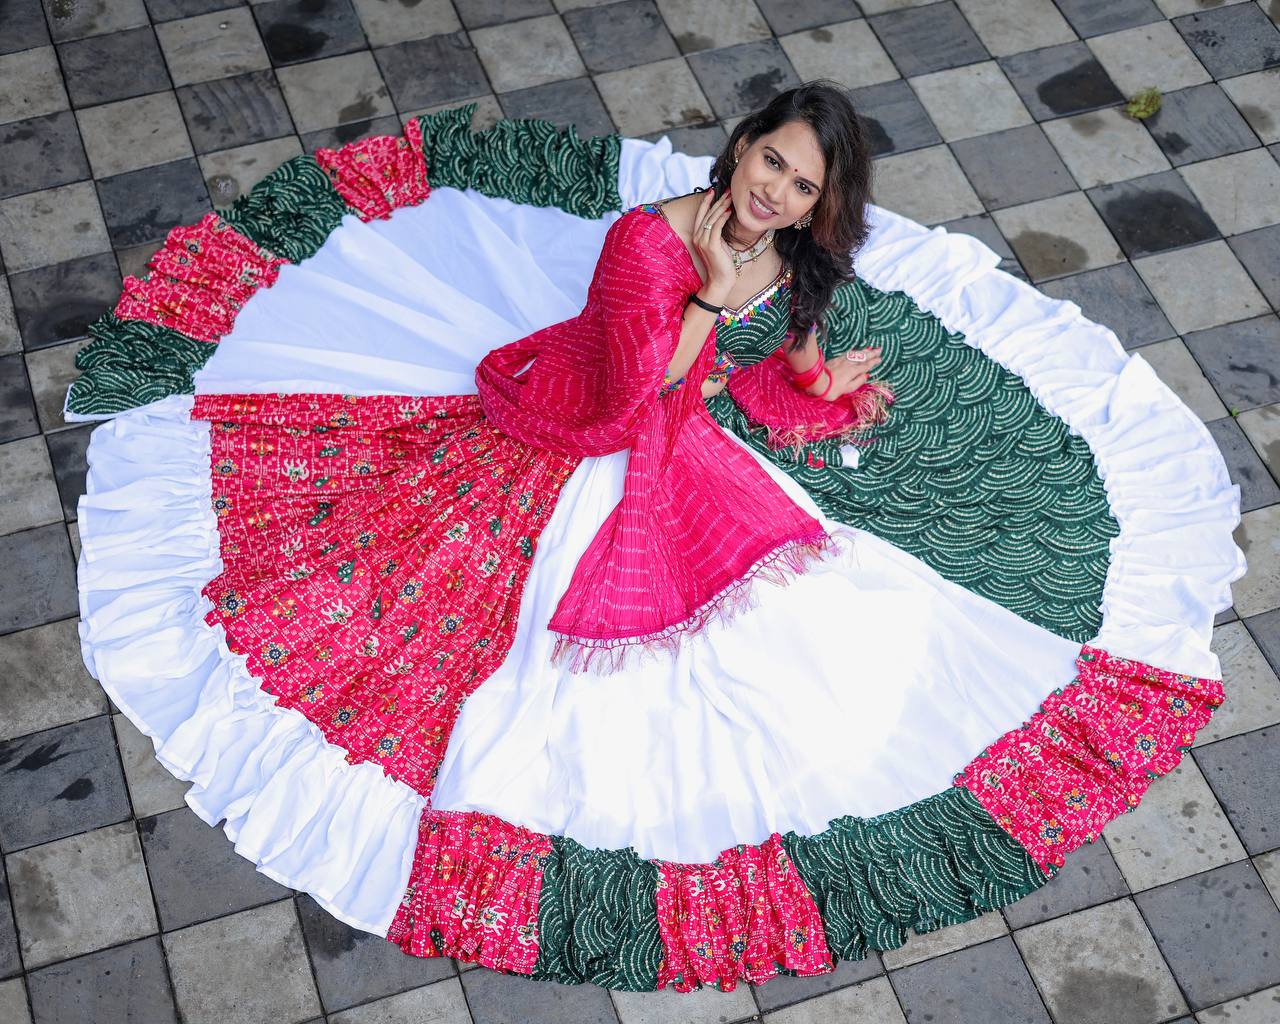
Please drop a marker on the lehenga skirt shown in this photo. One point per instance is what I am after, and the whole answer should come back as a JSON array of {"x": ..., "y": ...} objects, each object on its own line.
[{"x": 876, "y": 747}]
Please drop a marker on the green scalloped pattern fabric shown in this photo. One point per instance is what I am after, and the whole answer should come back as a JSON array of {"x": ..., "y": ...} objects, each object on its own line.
[
  {"x": 598, "y": 918},
  {"x": 133, "y": 362},
  {"x": 291, "y": 211},
  {"x": 524, "y": 160},
  {"x": 970, "y": 474},
  {"x": 937, "y": 862}
]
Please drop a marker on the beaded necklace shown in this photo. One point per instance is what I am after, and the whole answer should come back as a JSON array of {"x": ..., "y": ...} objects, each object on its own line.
[{"x": 753, "y": 251}]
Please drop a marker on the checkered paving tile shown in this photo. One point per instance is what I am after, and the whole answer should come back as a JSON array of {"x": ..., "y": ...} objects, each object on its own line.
[{"x": 122, "y": 118}]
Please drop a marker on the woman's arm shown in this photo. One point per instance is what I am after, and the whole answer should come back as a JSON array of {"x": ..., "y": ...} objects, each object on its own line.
[
  {"x": 803, "y": 358},
  {"x": 697, "y": 325}
]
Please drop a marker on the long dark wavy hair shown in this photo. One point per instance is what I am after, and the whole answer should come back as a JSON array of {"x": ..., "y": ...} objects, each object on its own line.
[{"x": 821, "y": 255}]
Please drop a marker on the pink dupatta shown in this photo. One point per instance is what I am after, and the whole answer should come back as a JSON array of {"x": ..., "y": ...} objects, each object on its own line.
[{"x": 699, "y": 518}]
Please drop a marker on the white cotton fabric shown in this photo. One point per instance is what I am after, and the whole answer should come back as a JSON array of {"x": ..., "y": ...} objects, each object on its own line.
[
  {"x": 859, "y": 688},
  {"x": 411, "y": 304}
]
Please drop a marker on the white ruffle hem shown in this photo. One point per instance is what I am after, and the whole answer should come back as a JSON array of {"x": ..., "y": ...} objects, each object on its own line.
[{"x": 859, "y": 688}]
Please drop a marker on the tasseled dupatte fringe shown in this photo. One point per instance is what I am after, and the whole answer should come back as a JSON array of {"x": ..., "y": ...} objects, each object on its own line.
[
  {"x": 780, "y": 566},
  {"x": 871, "y": 408}
]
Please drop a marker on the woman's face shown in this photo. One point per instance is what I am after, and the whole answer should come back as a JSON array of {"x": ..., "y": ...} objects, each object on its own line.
[{"x": 785, "y": 170}]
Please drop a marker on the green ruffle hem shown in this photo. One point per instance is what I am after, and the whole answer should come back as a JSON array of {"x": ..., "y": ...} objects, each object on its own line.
[{"x": 936, "y": 862}]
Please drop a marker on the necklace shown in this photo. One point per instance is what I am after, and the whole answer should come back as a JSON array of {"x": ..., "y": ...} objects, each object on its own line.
[{"x": 754, "y": 251}]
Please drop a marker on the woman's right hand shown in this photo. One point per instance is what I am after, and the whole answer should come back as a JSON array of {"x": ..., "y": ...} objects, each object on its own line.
[{"x": 708, "y": 224}]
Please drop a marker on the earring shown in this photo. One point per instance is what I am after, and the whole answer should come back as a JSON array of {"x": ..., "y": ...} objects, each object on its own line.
[{"x": 806, "y": 220}]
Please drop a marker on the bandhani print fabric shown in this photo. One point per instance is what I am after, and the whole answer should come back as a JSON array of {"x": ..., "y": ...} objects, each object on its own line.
[
  {"x": 309, "y": 557},
  {"x": 1034, "y": 795}
]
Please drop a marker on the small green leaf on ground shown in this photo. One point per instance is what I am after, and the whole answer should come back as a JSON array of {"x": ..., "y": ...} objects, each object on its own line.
[{"x": 1143, "y": 103}]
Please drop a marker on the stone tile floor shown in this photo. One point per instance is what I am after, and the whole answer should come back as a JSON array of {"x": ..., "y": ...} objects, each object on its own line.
[{"x": 122, "y": 118}]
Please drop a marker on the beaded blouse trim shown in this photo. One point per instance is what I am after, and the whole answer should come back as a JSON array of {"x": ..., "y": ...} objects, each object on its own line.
[
  {"x": 775, "y": 292},
  {"x": 724, "y": 365}
]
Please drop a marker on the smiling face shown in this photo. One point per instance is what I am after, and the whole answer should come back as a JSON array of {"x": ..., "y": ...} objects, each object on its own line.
[{"x": 785, "y": 170}]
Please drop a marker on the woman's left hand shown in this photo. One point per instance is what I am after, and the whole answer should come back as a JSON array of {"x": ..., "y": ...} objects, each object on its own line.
[{"x": 848, "y": 373}]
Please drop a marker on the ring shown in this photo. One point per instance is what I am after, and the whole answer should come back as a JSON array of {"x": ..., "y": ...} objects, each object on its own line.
[{"x": 856, "y": 356}]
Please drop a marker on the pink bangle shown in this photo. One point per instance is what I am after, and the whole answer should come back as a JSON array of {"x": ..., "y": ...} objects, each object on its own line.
[
  {"x": 830, "y": 381},
  {"x": 809, "y": 376}
]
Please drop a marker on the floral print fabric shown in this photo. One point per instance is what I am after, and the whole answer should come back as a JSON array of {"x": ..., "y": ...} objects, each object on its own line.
[
  {"x": 473, "y": 892},
  {"x": 1090, "y": 753},
  {"x": 380, "y": 174},
  {"x": 374, "y": 553},
  {"x": 744, "y": 917},
  {"x": 199, "y": 280},
  {"x": 487, "y": 891}
]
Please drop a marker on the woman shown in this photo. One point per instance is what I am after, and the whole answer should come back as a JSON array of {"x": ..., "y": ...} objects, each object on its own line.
[{"x": 802, "y": 601}]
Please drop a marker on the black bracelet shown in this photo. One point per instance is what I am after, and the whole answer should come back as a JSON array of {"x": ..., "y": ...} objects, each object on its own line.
[{"x": 706, "y": 305}]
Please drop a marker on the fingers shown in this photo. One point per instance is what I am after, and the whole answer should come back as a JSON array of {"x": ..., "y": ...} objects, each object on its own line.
[
  {"x": 722, "y": 217},
  {"x": 720, "y": 212},
  {"x": 708, "y": 200},
  {"x": 854, "y": 368},
  {"x": 703, "y": 206},
  {"x": 708, "y": 214}
]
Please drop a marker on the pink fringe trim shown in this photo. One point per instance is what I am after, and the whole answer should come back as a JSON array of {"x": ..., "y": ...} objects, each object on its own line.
[
  {"x": 870, "y": 405},
  {"x": 199, "y": 280},
  {"x": 378, "y": 175},
  {"x": 473, "y": 891},
  {"x": 1090, "y": 753},
  {"x": 605, "y": 656},
  {"x": 745, "y": 917}
]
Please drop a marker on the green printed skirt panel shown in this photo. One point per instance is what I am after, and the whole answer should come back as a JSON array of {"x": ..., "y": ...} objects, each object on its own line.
[{"x": 970, "y": 473}]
